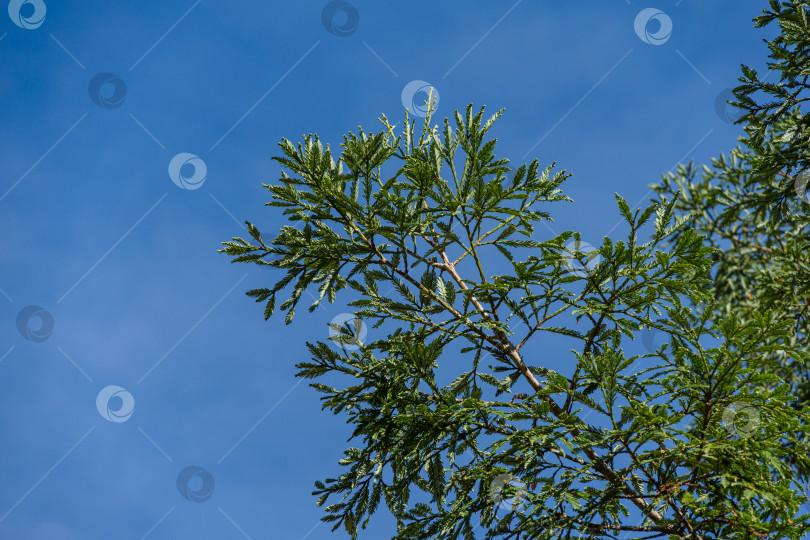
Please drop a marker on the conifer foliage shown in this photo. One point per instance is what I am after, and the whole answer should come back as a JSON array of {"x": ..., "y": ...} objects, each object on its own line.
[
  {"x": 459, "y": 428},
  {"x": 753, "y": 204}
]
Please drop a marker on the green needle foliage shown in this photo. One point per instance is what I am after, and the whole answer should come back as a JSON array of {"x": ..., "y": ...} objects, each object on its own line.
[
  {"x": 433, "y": 238},
  {"x": 752, "y": 205}
]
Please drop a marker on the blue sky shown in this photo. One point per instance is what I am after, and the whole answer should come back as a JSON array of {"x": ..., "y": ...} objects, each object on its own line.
[{"x": 125, "y": 262}]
